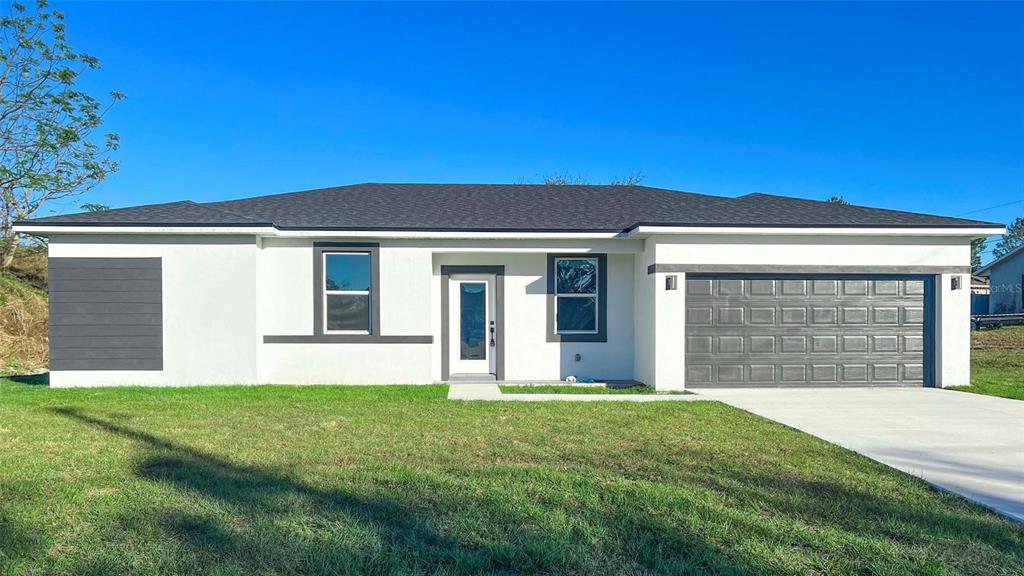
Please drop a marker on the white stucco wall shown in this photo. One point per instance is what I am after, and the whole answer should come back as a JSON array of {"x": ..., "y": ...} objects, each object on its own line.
[
  {"x": 286, "y": 272},
  {"x": 528, "y": 354},
  {"x": 223, "y": 294},
  {"x": 210, "y": 308},
  {"x": 952, "y": 322}
]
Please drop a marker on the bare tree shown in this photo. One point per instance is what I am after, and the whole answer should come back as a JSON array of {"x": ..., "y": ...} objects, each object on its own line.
[
  {"x": 566, "y": 179},
  {"x": 563, "y": 179},
  {"x": 634, "y": 178},
  {"x": 49, "y": 146}
]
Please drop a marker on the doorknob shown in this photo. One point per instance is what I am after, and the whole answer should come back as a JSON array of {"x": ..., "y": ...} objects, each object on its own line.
[{"x": 492, "y": 333}]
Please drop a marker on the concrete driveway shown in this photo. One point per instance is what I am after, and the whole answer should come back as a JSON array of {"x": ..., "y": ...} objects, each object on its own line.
[{"x": 969, "y": 444}]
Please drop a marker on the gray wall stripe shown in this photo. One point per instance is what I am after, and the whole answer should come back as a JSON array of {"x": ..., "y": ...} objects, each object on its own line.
[
  {"x": 104, "y": 330},
  {"x": 104, "y": 285},
  {"x": 346, "y": 339},
  {"x": 109, "y": 364},
  {"x": 58, "y": 319},
  {"x": 801, "y": 269},
  {"x": 150, "y": 297},
  {"x": 108, "y": 274},
  {"x": 106, "y": 263},
  {"x": 105, "y": 342}
]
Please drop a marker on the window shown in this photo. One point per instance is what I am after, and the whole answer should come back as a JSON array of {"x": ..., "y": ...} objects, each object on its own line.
[
  {"x": 576, "y": 295},
  {"x": 346, "y": 292}
]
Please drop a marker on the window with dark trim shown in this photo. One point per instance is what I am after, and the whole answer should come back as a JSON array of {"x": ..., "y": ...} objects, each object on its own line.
[
  {"x": 577, "y": 298},
  {"x": 347, "y": 296},
  {"x": 346, "y": 288},
  {"x": 576, "y": 295}
]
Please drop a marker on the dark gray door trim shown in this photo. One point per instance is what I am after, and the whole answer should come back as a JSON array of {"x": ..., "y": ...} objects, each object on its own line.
[
  {"x": 319, "y": 248},
  {"x": 930, "y": 303},
  {"x": 602, "y": 300},
  {"x": 499, "y": 320},
  {"x": 801, "y": 269}
]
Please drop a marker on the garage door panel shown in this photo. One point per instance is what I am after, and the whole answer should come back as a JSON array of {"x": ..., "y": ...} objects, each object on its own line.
[{"x": 805, "y": 331}]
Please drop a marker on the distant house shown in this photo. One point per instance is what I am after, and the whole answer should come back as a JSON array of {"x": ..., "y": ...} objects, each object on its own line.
[
  {"x": 980, "y": 292},
  {"x": 1006, "y": 280}
]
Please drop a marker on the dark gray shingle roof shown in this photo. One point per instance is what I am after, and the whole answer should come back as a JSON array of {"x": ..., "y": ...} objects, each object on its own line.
[{"x": 504, "y": 207}]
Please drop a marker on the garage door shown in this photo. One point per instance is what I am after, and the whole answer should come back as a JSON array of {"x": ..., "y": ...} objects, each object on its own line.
[{"x": 811, "y": 331}]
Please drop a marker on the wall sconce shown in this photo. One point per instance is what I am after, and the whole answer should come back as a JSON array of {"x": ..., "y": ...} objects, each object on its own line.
[
  {"x": 955, "y": 283},
  {"x": 671, "y": 282}
]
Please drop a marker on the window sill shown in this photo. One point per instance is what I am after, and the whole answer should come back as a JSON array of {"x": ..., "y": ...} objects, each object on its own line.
[
  {"x": 346, "y": 339},
  {"x": 577, "y": 337}
]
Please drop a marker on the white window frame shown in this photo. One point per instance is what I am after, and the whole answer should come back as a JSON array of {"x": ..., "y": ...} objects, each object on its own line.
[
  {"x": 368, "y": 293},
  {"x": 596, "y": 295}
]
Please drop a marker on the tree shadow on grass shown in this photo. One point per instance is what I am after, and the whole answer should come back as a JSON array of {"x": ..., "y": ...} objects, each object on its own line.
[
  {"x": 42, "y": 379},
  {"x": 273, "y": 522}
]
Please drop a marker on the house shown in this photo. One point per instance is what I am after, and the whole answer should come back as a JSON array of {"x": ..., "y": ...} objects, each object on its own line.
[
  {"x": 1006, "y": 282},
  {"x": 419, "y": 283},
  {"x": 980, "y": 291}
]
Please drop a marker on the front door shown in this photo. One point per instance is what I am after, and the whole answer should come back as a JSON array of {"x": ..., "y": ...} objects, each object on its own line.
[{"x": 471, "y": 328}]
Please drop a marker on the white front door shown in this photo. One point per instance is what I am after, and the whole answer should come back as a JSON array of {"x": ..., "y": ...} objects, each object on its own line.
[{"x": 471, "y": 324}]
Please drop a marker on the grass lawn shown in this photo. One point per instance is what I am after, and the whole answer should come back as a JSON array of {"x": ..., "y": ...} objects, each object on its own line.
[
  {"x": 398, "y": 480},
  {"x": 997, "y": 362},
  {"x": 568, "y": 389}
]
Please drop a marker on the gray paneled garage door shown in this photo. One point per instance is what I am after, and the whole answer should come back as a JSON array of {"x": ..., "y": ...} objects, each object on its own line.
[{"x": 811, "y": 331}]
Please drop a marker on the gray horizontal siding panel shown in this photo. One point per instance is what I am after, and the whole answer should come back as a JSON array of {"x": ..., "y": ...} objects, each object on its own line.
[
  {"x": 105, "y": 274},
  {"x": 106, "y": 313},
  {"x": 100, "y": 353},
  {"x": 142, "y": 296},
  {"x": 101, "y": 319},
  {"x": 106, "y": 342},
  {"x": 108, "y": 364},
  {"x": 104, "y": 285},
  {"x": 105, "y": 308},
  {"x": 120, "y": 263},
  {"x": 103, "y": 330}
]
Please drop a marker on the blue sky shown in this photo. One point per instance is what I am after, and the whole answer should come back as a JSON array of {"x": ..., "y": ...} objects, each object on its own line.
[{"x": 909, "y": 106}]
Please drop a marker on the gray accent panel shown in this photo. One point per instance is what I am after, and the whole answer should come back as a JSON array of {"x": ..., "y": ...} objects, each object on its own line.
[
  {"x": 104, "y": 285},
  {"x": 346, "y": 339},
  {"x": 103, "y": 330},
  {"x": 105, "y": 264},
  {"x": 850, "y": 330},
  {"x": 319, "y": 248},
  {"x": 499, "y": 307},
  {"x": 108, "y": 364},
  {"x": 602, "y": 300},
  {"x": 106, "y": 313},
  {"x": 801, "y": 269}
]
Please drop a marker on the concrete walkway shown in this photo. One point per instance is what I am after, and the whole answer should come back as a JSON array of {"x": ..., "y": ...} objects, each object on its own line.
[
  {"x": 969, "y": 444},
  {"x": 489, "y": 391}
]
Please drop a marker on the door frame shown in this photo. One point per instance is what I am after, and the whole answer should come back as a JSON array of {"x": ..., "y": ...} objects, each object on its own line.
[
  {"x": 479, "y": 366},
  {"x": 499, "y": 315}
]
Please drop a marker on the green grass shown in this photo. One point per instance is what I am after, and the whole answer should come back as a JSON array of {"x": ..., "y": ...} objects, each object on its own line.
[
  {"x": 398, "y": 480},
  {"x": 569, "y": 389},
  {"x": 997, "y": 363}
]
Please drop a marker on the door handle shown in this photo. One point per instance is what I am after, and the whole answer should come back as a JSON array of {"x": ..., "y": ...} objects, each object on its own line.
[{"x": 492, "y": 333}]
